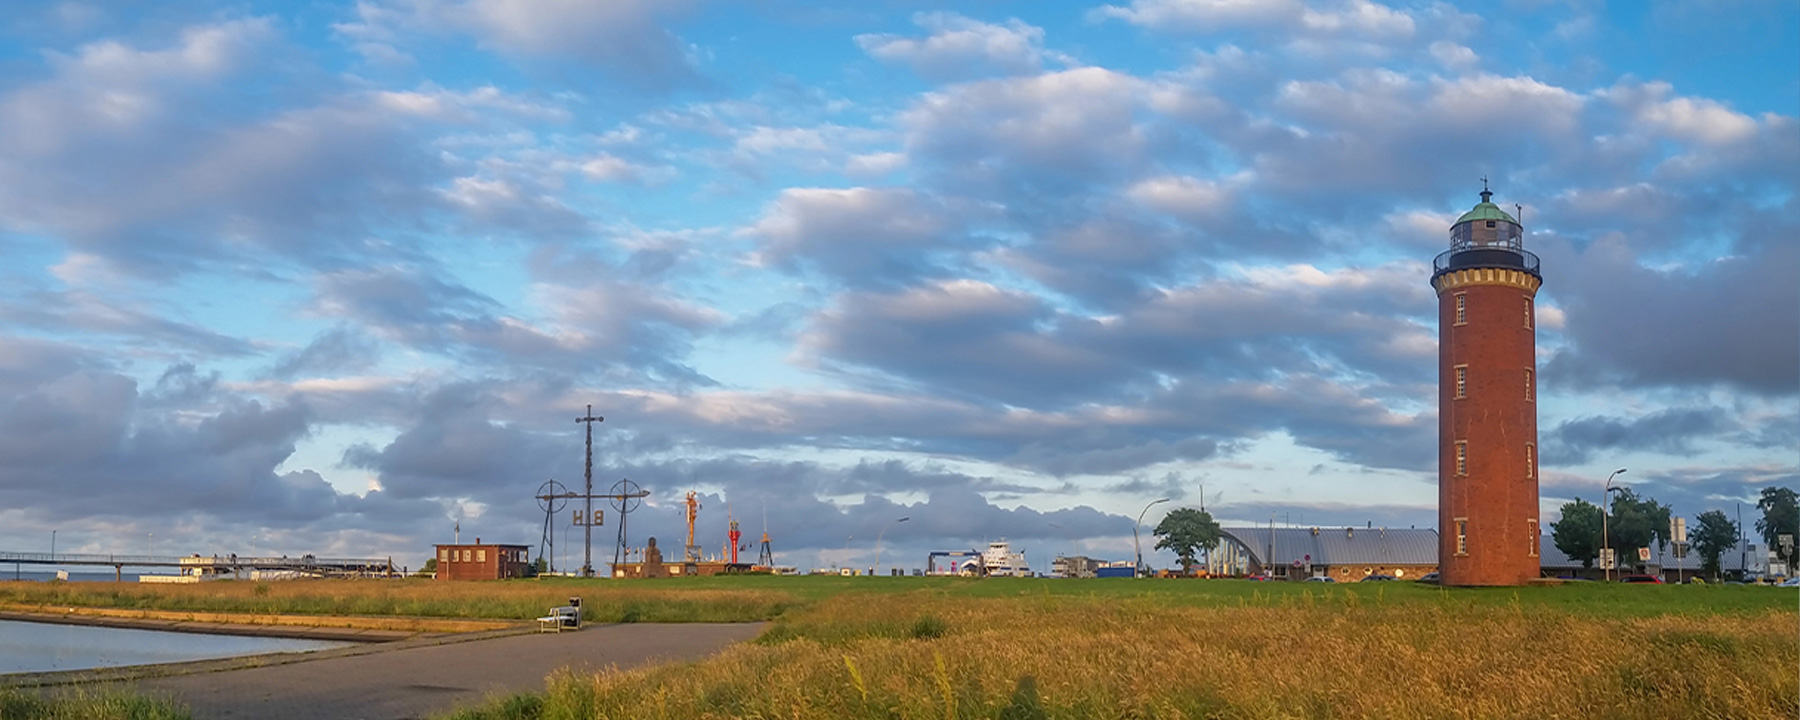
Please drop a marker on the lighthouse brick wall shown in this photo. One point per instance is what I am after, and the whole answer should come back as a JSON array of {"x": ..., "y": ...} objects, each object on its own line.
[{"x": 1491, "y": 424}]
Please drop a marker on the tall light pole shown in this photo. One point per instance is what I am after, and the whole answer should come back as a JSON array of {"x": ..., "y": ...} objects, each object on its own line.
[
  {"x": 1605, "y": 504},
  {"x": 53, "y": 546},
  {"x": 1138, "y": 571},
  {"x": 878, "y": 541}
]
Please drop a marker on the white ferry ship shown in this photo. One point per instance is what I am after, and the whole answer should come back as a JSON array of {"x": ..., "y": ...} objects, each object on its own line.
[{"x": 1001, "y": 561}]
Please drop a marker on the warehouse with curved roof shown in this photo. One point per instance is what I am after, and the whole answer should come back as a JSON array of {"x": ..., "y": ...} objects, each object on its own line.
[{"x": 1345, "y": 554}]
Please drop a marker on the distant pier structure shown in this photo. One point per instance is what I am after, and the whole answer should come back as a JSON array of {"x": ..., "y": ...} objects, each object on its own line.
[
  {"x": 198, "y": 566},
  {"x": 1487, "y": 285}
]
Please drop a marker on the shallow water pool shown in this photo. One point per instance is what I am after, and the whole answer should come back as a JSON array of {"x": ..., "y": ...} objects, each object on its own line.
[{"x": 43, "y": 647}]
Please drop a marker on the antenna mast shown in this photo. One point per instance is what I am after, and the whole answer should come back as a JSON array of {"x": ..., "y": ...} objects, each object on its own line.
[{"x": 587, "y": 530}]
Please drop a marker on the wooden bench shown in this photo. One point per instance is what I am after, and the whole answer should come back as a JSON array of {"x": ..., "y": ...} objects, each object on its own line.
[{"x": 567, "y": 617}]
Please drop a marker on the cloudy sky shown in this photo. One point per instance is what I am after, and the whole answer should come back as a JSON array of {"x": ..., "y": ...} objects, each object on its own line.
[{"x": 333, "y": 277}]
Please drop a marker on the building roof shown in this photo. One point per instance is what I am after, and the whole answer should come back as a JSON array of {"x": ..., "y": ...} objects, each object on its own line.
[
  {"x": 1339, "y": 545},
  {"x": 1486, "y": 211}
]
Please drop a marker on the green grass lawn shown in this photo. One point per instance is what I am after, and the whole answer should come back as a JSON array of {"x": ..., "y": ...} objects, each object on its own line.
[
  {"x": 767, "y": 597},
  {"x": 1588, "y": 598}
]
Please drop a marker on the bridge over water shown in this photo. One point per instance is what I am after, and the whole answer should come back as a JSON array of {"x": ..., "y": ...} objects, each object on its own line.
[{"x": 234, "y": 565}]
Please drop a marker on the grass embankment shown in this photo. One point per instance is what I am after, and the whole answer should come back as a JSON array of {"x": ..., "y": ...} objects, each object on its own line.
[
  {"x": 82, "y": 705},
  {"x": 602, "y": 601},
  {"x": 1227, "y": 649},
  {"x": 754, "y": 598}
]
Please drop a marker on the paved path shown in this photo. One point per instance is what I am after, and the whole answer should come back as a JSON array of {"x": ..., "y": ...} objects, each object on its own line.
[{"x": 419, "y": 680}]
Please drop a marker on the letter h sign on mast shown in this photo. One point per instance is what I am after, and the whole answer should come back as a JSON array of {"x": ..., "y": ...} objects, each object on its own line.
[{"x": 583, "y": 519}]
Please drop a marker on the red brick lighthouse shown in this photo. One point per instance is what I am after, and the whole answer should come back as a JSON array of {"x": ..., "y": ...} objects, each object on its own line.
[{"x": 1487, "y": 401}]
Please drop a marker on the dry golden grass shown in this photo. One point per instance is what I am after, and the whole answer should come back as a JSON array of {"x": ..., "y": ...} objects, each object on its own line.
[
  {"x": 923, "y": 655},
  {"x": 1016, "y": 650}
]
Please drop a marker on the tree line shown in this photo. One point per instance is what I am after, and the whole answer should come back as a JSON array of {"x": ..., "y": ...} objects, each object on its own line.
[{"x": 1637, "y": 522}]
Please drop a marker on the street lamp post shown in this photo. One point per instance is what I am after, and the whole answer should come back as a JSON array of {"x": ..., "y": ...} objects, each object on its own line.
[
  {"x": 878, "y": 541},
  {"x": 1074, "y": 542},
  {"x": 1605, "y": 504},
  {"x": 52, "y": 546},
  {"x": 1138, "y": 571}
]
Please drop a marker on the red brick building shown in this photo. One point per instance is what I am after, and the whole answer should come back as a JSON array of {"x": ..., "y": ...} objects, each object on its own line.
[
  {"x": 482, "y": 562},
  {"x": 1487, "y": 401}
]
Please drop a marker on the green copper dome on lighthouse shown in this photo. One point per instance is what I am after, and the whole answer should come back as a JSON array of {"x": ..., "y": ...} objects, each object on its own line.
[{"x": 1486, "y": 211}]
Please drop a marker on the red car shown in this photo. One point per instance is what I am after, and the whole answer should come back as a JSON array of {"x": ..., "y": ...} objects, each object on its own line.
[{"x": 1652, "y": 579}]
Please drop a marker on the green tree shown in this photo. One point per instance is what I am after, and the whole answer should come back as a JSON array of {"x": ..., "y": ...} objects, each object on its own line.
[
  {"x": 1781, "y": 516},
  {"x": 1715, "y": 534},
  {"x": 429, "y": 569},
  {"x": 1577, "y": 534},
  {"x": 1187, "y": 531},
  {"x": 1635, "y": 522},
  {"x": 539, "y": 566}
]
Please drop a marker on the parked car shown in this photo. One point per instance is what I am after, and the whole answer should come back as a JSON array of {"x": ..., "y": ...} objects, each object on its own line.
[
  {"x": 1430, "y": 578},
  {"x": 1321, "y": 578},
  {"x": 1642, "y": 579},
  {"x": 1378, "y": 578}
]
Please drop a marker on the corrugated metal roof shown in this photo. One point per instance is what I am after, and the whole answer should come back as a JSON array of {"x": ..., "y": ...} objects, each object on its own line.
[{"x": 1339, "y": 546}]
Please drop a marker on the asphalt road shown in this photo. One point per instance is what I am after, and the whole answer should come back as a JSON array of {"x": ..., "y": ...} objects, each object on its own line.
[{"x": 416, "y": 680}]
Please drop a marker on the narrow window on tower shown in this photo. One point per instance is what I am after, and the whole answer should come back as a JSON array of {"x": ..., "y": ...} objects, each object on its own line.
[
  {"x": 1462, "y": 308},
  {"x": 1531, "y": 460},
  {"x": 1462, "y": 457},
  {"x": 1527, "y": 313},
  {"x": 1462, "y": 536},
  {"x": 1528, "y": 396},
  {"x": 1462, "y": 381},
  {"x": 1531, "y": 529}
]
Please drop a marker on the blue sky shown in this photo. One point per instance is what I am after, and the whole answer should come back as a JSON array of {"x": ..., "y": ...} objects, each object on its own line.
[{"x": 334, "y": 277}]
